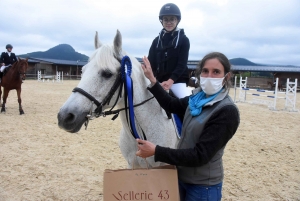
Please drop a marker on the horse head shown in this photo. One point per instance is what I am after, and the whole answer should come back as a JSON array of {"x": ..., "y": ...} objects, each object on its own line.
[
  {"x": 99, "y": 76},
  {"x": 22, "y": 65}
]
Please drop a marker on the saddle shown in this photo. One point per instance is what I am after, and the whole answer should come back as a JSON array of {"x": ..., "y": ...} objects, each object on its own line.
[
  {"x": 176, "y": 119},
  {"x": 6, "y": 69}
]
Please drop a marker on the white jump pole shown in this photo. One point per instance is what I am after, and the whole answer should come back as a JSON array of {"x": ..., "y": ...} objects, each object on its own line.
[
  {"x": 234, "y": 88},
  {"x": 243, "y": 85},
  {"x": 58, "y": 76},
  {"x": 39, "y": 75},
  {"x": 275, "y": 94},
  {"x": 291, "y": 93}
]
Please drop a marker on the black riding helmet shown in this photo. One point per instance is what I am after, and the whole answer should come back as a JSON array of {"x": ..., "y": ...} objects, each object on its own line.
[
  {"x": 9, "y": 46},
  {"x": 170, "y": 9}
]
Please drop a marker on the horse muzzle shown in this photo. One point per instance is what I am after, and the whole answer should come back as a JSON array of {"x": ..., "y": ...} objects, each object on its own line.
[
  {"x": 71, "y": 121},
  {"x": 22, "y": 76}
]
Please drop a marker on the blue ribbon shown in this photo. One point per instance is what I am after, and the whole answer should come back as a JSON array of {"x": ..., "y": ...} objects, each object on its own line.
[
  {"x": 126, "y": 73},
  {"x": 126, "y": 61}
]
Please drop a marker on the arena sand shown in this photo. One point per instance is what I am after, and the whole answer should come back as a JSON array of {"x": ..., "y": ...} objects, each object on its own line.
[{"x": 39, "y": 161}]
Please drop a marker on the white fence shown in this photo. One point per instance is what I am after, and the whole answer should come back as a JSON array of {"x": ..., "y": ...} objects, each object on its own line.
[{"x": 268, "y": 97}]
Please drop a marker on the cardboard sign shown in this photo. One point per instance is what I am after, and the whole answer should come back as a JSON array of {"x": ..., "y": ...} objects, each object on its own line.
[{"x": 160, "y": 183}]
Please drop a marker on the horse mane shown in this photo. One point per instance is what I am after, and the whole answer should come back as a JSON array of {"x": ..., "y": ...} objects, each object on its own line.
[
  {"x": 18, "y": 62},
  {"x": 13, "y": 66}
]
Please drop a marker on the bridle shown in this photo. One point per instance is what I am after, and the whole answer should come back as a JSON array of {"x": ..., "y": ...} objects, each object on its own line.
[
  {"x": 118, "y": 84},
  {"x": 99, "y": 110},
  {"x": 22, "y": 74}
]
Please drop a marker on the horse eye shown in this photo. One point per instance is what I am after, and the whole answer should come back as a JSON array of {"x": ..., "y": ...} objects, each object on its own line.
[{"x": 106, "y": 74}]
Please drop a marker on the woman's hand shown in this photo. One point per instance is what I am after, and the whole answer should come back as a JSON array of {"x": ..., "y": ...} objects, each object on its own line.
[
  {"x": 146, "y": 66},
  {"x": 145, "y": 148},
  {"x": 167, "y": 84}
]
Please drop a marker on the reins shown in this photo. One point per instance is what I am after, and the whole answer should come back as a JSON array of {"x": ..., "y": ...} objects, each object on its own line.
[{"x": 116, "y": 112}]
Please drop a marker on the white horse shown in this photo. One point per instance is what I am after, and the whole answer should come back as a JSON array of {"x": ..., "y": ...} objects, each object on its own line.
[{"x": 99, "y": 76}]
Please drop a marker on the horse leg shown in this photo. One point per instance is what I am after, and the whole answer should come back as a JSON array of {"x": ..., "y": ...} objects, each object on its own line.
[
  {"x": 20, "y": 101},
  {"x": 5, "y": 95}
]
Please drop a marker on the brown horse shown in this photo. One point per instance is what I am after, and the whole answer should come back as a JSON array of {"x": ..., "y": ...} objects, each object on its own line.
[
  {"x": 13, "y": 79},
  {"x": 273, "y": 85}
]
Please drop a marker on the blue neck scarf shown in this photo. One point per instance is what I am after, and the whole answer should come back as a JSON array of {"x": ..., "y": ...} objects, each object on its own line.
[{"x": 197, "y": 101}]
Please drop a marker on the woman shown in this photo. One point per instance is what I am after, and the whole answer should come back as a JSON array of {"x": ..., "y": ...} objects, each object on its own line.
[
  {"x": 169, "y": 52},
  {"x": 210, "y": 120}
]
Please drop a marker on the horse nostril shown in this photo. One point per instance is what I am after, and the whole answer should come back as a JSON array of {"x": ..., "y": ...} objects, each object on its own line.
[{"x": 70, "y": 117}]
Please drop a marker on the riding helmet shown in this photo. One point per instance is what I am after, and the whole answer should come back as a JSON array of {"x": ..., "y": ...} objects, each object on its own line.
[
  {"x": 170, "y": 9},
  {"x": 9, "y": 46}
]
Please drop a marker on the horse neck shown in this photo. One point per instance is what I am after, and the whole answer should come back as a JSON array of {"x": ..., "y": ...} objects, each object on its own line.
[
  {"x": 140, "y": 83},
  {"x": 141, "y": 94},
  {"x": 150, "y": 119},
  {"x": 14, "y": 68},
  {"x": 13, "y": 73}
]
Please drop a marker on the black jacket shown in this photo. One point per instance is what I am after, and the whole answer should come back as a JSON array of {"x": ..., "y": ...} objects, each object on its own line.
[
  {"x": 168, "y": 56},
  {"x": 8, "y": 59}
]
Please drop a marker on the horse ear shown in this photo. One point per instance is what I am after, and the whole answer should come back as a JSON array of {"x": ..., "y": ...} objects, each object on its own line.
[
  {"x": 118, "y": 45},
  {"x": 97, "y": 42}
]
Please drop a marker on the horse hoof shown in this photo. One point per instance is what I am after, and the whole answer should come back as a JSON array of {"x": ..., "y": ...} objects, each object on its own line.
[
  {"x": 2, "y": 110},
  {"x": 22, "y": 112}
]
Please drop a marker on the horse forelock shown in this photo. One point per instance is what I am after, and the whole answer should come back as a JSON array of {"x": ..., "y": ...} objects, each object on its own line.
[{"x": 104, "y": 58}]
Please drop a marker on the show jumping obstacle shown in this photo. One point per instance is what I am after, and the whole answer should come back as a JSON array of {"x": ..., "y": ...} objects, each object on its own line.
[
  {"x": 269, "y": 97},
  {"x": 59, "y": 77}
]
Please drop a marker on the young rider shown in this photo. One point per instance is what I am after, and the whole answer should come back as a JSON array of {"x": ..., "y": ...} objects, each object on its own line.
[{"x": 169, "y": 52}]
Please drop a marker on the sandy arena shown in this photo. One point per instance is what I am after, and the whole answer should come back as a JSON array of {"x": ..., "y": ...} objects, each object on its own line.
[{"x": 39, "y": 161}]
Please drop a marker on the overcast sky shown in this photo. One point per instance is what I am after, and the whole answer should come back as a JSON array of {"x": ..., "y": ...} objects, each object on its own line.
[{"x": 262, "y": 31}]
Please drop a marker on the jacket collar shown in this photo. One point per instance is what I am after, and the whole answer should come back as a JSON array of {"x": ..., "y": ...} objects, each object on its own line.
[{"x": 177, "y": 32}]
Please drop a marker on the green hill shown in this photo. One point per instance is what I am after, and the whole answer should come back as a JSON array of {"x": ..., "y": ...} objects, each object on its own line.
[
  {"x": 243, "y": 62},
  {"x": 67, "y": 52},
  {"x": 62, "y": 52}
]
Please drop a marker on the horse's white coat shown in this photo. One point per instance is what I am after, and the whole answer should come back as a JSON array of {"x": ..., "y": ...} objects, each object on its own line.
[{"x": 150, "y": 117}]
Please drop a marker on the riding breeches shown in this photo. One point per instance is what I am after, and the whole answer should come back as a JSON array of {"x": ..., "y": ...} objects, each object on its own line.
[{"x": 180, "y": 90}]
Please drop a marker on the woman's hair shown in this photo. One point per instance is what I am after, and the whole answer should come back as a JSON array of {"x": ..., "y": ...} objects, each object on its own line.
[{"x": 222, "y": 59}]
